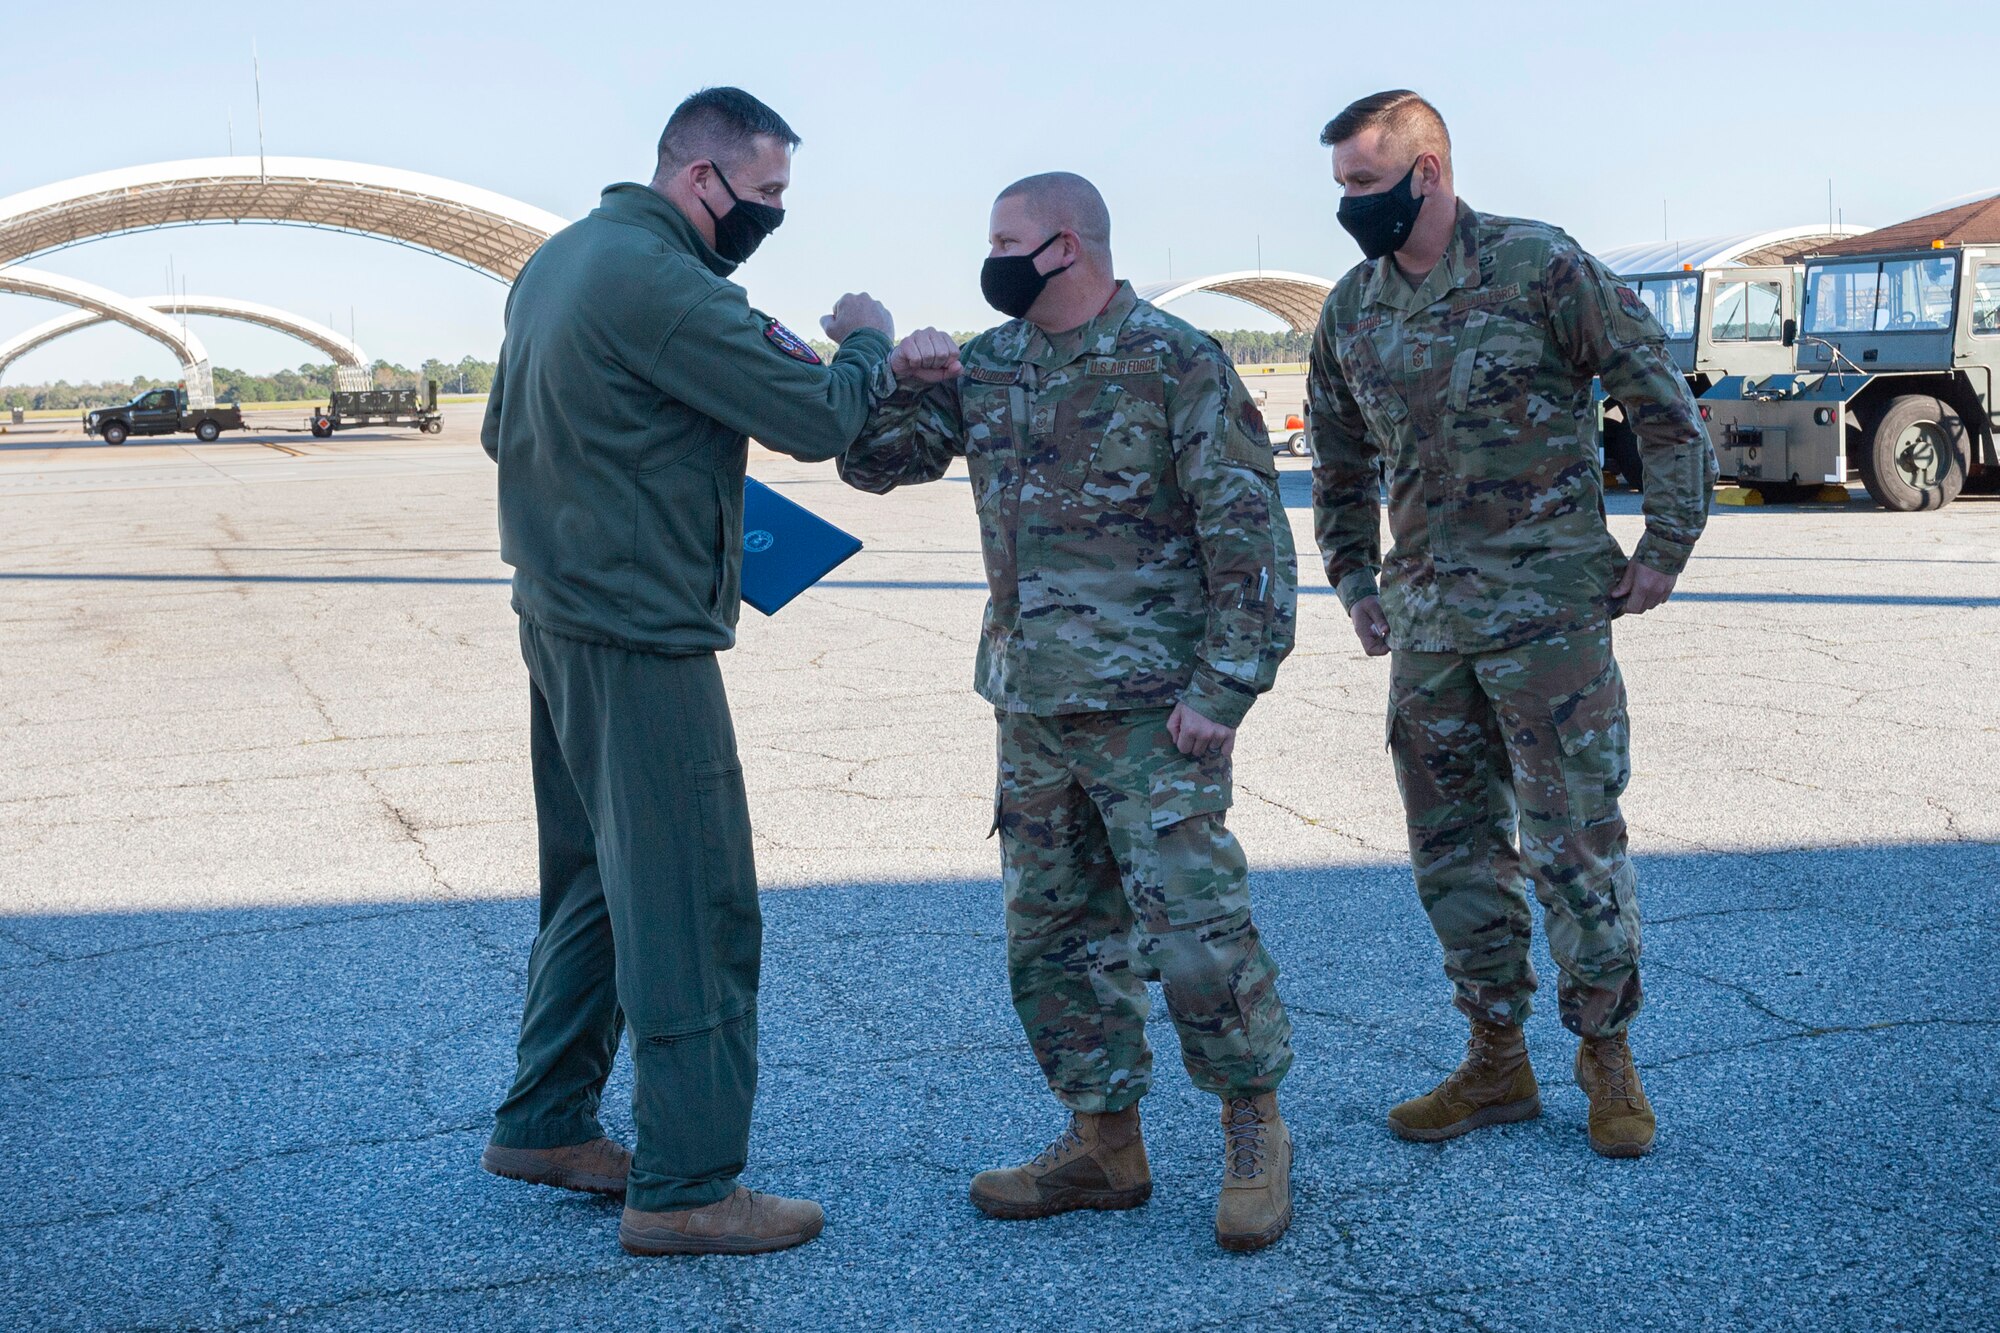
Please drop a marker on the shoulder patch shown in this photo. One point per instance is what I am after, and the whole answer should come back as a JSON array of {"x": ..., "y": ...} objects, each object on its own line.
[
  {"x": 983, "y": 375},
  {"x": 790, "y": 343},
  {"x": 1129, "y": 365},
  {"x": 1633, "y": 305}
]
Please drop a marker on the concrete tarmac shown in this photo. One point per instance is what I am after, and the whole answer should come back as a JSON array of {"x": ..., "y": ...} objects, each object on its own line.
[{"x": 266, "y": 877}]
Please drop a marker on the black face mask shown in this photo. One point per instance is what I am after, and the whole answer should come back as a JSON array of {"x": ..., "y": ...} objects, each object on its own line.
[
  {"x": 743, "y": 228},
  {"x": 1380, "y": 223},
  {"x": 1010, "y": 283}
]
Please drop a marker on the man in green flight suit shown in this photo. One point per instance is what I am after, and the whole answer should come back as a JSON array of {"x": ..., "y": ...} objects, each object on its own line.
[
  {"x": 1142, "y": 595},
  {"x": 1455, "y": 363},
  {"x": 632, "y": 372}
]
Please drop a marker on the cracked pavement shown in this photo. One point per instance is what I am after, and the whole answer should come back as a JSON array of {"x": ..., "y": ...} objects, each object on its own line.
[{"x": 266, "y": 851}]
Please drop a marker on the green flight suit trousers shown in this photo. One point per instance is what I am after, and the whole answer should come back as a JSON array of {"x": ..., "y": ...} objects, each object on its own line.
[
  {"x": 649, "y": 917},
  {"x": 1528, "y": 742}
]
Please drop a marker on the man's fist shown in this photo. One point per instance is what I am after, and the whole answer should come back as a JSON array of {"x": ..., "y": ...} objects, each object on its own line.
[
  {"x": 1371, "y": 626},
  {"x": 857, "y": 310},
  {"x": 1641, "y": 588},
  {"x": 928, "y": 356}
]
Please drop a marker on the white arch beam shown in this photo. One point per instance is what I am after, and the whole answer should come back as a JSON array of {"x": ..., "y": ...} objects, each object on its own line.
[
  {"x": 1295, "y": 298},
  {"x": 343, "y": 350},
  {"x": 104, "y": 303},
  {"x": 484, "y": 231}
]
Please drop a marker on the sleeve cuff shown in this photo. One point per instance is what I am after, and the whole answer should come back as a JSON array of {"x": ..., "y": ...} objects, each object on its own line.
[
  {"x": 1665, "y": 554},
  {"x": 1224, "y": 703},
  {"x": 1356, "y": 587}
]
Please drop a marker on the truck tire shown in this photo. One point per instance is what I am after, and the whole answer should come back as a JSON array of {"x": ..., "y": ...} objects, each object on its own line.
[
  {"x": 1621, "y": 454},
  {"x": 1914, "y": 455},
  {"x": 208, "y": 432},
  {"x": 114, "y": 432},
  {"x": 1296, "y": 446}
]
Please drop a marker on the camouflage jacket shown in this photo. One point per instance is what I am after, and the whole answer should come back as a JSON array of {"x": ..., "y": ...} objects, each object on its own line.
[
  {"x": 1137, "y": 551},
  {"x": 1469, "y": 395}
]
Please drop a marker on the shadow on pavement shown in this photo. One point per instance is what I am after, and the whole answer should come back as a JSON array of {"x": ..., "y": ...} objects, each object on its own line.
[{"x": 213, "y": 1119}]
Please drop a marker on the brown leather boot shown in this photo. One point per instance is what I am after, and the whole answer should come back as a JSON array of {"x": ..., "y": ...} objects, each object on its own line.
[
  {"x": 597, "y": 1167},
  {"x": 745, "y": 1222},
  {"x": 1494, "y": 1085},
  {"x": 1621, "y": 1119},
  {"x": 1256, "y": 1203},
  {"x": 1098, "y": 1162}
]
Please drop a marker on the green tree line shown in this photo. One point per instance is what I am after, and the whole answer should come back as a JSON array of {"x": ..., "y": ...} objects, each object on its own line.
[{"x": 309, "y": 381}]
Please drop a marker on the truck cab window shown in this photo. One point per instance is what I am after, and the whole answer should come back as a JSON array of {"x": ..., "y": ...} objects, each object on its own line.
[
  {"x": 1986, "y": 300},
  {"x": 1675, "y": 302}
]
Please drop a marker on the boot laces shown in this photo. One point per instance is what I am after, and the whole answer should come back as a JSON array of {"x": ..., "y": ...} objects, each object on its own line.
[
  {"x": 1065, "y": 1141},
  {"x": 1481, "y": 1061},
  {"x": 1243, "y": 1139},
  {"x": 1611, "y": 1072}
]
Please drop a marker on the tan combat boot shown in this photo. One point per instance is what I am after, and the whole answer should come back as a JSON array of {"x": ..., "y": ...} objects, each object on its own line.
[
  {"x": 597, "y": 1167},
  {"x": 1494, "y": 1086},
  {"x": 745, "y": 1222},
  {"x": 1098, "y": 1162},
  {"x": 1621, "y": 1119},
  {"x": 1256, "y": 1203}
]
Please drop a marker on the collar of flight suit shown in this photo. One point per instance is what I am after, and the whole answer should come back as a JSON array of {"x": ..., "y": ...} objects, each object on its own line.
[
  {"x": 643, "y": 206},
  {"x": 1459, "y": 267},
  {"x": 1097, "y": 335}
]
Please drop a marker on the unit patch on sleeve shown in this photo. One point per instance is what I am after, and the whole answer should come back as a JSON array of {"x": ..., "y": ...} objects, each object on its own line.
[
  {"x": 1633, "y": 305},
  {"x": 790, "y": 343}
]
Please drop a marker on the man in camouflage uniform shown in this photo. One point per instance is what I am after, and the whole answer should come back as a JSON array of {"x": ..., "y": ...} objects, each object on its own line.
[
  {"x": 1143, "y": 590},
  {"x": 1455, "y": 364}
]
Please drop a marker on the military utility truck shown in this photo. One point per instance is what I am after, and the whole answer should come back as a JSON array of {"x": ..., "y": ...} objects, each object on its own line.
[
  {"x": 1719, "y": 322},
  {"x": 162, "y": 412},
  {"x": 347, "y": 409},
  {"x": 1895, "y": 355}
]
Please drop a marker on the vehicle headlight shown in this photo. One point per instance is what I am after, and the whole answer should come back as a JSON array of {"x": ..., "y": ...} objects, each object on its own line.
[{"x": 1823, "y": 416}]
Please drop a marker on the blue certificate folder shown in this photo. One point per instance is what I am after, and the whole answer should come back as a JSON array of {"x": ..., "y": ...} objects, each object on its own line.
[{"x": 786, "y": 547}]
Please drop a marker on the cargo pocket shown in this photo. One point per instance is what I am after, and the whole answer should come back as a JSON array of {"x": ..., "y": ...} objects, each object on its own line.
[
  {"x": 1596, "y": 746},
  {"x": 732, "y": 920},
  {"x": 1185, "y": 786}
]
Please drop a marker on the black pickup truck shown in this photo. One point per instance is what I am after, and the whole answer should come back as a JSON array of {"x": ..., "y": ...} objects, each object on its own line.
[{"x": 161, "y": 412}]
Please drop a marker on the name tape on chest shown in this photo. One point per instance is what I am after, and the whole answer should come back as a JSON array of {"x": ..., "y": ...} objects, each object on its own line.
[
  {"x": 985, "y": 375},
  {"x": 790, "y": 343},
  {"x": 1486, "y": 299},
  {"x": 1130, "y": 365}
]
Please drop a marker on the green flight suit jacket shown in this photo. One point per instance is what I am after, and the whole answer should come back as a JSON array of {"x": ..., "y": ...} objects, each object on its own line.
[{"x": 632, "y": 374}]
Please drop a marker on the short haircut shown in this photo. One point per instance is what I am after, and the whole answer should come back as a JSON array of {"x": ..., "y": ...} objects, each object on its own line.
[
  {"x": 1405, "y": 119},
  {"x": 719, "y": 125},
  {"x": 1065, "y": 199}
]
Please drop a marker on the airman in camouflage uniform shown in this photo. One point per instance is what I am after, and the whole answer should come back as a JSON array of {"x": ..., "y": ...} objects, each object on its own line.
[
  {"x": 1138, "y": 559},
  {"x": 1468, "y": 392}
]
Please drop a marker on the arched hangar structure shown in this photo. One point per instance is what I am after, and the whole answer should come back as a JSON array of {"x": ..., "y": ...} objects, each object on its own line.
[
  {"x": 100, "y": 303},
  {"x": 1784, "y": 245},
  {"x": 484, "y": 231},
  {"x": 336, "y": 345},
  {"x": 1295, "y": 298}
]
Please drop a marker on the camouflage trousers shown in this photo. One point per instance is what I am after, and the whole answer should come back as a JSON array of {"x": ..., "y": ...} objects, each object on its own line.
[
  {"x": 1529, "y": 740},
  {"x": 1118, "y": 871}
]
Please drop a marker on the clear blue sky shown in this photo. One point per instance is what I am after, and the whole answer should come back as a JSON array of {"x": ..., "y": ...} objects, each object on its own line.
[{"x": 1199, "y": 122}]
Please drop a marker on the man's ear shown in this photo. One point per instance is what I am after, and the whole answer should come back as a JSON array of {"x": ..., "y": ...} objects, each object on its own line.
[{"x": 1430, "y": 172}]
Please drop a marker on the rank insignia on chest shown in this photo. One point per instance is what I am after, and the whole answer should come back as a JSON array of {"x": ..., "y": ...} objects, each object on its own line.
[
  {"x": 1420, "y": 356},
  {"x": 1043, "y": 419},
  {"x": 790, "y": 343},
  {"x": 1633, "y": 305}
]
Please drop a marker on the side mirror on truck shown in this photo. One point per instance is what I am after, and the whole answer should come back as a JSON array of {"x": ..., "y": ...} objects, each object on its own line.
[{"x": 1790, "y": 333}]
